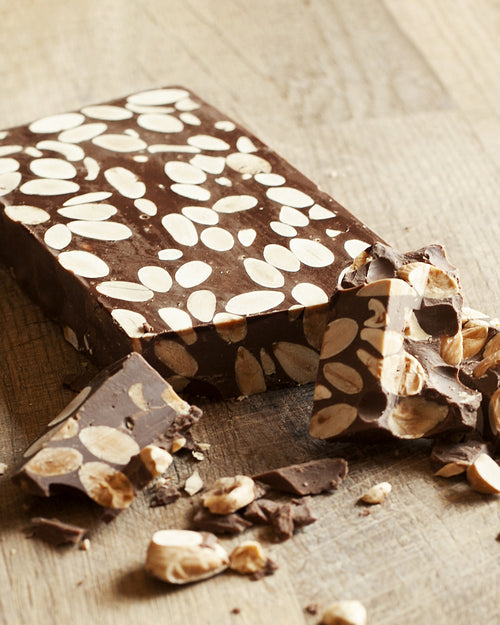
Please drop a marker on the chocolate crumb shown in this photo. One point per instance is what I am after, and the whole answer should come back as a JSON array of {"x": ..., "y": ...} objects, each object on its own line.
[
  {"x": 364, "y": 512},
  {"x": 235, "y": 611},
  {"x": 312, "y": 608},
  {"x": 165, "y": 495},
  {"x": 270, "y": 568}
]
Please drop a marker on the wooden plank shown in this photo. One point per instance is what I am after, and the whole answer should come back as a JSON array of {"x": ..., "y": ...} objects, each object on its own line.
[{"x": 390, "y": 106}]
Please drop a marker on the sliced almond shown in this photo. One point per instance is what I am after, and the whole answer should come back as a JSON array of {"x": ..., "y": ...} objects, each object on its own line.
[
  {"x": 377, "y": 493},
  {"x": 332, "y": 420},
  {"x": 379, "y": 317},
  {"x": 487, "y": 363},
  {"x": 343, "y": 377},
  {"x": 53, "y": 461},
  {"x": 249, "y": 374},
  {"x": 492, "y": 346},
  {"x": 300, "y": 363},
  {"x": 430, "y": 281},
  {"x": 339, "y": 334},
  {"x": 106, "y": 486},
  {"x": 314, "y": 324},
  {"x": 402, "y": 374}
]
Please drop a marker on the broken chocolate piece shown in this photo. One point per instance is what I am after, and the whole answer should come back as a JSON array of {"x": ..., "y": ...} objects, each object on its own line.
[
  {"x": 164, "y": 495},
  {"x": 105, "y": 443},
  {"x": 289, "y": 517},
  {"x": 220, "y": 523},
  {"x": 260, "y": 511},
  {"x": 270, "y": 568},
  {"x": 153, "y": 223},
  {"x": 56, "y": 532},
  {"x": 452, "y": 458},
  {"x": 309, "y": 478},
  {"x": 390, "y": 356}
]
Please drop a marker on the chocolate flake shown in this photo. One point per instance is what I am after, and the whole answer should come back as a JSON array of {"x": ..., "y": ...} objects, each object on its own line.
[{"x": 55, "y": 532}]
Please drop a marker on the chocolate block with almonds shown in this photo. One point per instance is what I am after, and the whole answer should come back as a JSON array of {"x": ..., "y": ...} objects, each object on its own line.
[
  {"x": 112, "y": 439},
  {"x": 154, "y": 223},
  {"x": 381, "y": 369}
]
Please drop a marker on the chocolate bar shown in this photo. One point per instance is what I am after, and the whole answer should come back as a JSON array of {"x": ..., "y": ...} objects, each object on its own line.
[
  {"x": 112, "y": 439},
  {"x": 155, "y": 224},
  {"x": 389, "y": 359}
]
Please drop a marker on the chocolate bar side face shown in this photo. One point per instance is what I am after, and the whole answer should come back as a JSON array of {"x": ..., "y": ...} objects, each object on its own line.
[
  {"x": 93, "y": 443},
  {"x": 387, "y": 374},
  {"x": 154, "y": 223}
]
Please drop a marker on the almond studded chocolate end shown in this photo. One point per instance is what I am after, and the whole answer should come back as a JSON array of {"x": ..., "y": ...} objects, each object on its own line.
[
  {"x": 112, "y": 439},
  {"x": 390, "y": 358}
]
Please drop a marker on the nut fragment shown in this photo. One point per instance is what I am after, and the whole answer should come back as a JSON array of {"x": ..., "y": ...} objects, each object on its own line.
[
  {"x": 339, "y": 334},
  {"x": 193, "y": 484},
  {"x": 155, "y": 459},
  {"x": 249, "y": 374},
  {"x": 452, "y": 349},
  {"x": 248, "y": 557},
  {"x": 178, "y": 443},
  {"x": 428, "y": 280},
  {"x": 183, "y": 556},
  {"x": 474, "y": 334},
  {"x": 332, "y": 420},
  {"x": 379, "y": 318},
  {"x": 314, "y": 323},
  {"x": 229, "y": 494},
  {"x": 402, "y": 374},
  {"x": 494, "y": 412},
  {"x": 343, "y": 377},
  {"x": 299, "y": 362},
  {"x": 109, "y": 444},
  {"x": 53, "y": 461},
  {"x": 347, "y": 612},
  {"x": 487, "y": 363},
  {"x": 414, "y": 417},
  {"x": 483, "y": 475},
  {"x": 106, "y": 486},
  {"x": 377, "y": 493},
  {"x": 492, "y": 346}
]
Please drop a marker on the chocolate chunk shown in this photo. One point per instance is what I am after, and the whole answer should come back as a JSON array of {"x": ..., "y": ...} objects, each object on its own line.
[
  {"x": 166, "y": 494},
  {"x": 153, "y": 223},
  {"x": 260, "y": 511},
  {"x": 56, "y": 532},
  {"x": 111, "y": 439},
  {"x": 391, "y": 352},
  {"x": 220, "y": 523},
  {"x": 452, "y": 458},
  {"x": 289, "y": 517},
  {"x": 309, "y": 478}
]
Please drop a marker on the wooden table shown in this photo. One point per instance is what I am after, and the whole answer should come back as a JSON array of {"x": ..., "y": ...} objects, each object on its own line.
[{"x": 392, "y": 107}]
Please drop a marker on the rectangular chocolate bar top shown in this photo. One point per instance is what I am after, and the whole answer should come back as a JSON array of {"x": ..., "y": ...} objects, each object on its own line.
[{"x": 154, "y": 223}]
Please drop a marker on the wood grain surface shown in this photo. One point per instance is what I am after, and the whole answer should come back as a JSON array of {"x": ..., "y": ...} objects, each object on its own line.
[{"x": 393, "y": 108}]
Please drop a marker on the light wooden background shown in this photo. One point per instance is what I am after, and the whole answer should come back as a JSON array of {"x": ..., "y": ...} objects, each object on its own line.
[{"x": 391, "y": 106}]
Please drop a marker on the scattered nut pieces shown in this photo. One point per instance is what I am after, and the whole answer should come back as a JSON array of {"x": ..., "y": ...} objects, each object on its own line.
[
  {"x": 184, "y": 556},
  {"x": 155, "y": 459},
  {"x": 229, "y": 494},
  {"x": 85, "y": 544},
  {"x": 483, "y": 475},
  {"x": 345, "y": 613},
  {"x": 3, "y": 468},
  {"x": 178, "y": 443},
  {"x": 248, "y": 557},
  {"x": 377, "y": 493},
  {"x": 193, "y": 484},
  {"x": 198, "y": 455}
]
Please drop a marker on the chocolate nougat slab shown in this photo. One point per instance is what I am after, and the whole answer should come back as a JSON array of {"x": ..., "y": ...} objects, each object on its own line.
[{"x": 155, "y": 224}]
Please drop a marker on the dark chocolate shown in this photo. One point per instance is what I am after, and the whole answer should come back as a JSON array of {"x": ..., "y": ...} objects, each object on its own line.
[
  {"x": 309, "y": 478},
  {"x": 98, "y": 443},
  {"x": 289, "y": 517},
  {"x": 154, "y": 223},
  {"x": 56, "y": 532},
  {"x": 389, "y": 359},
  {"x": 260, "y": 511},
  {"x": 164, "y": 495},
  {"x": 220, "y": 523}
]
